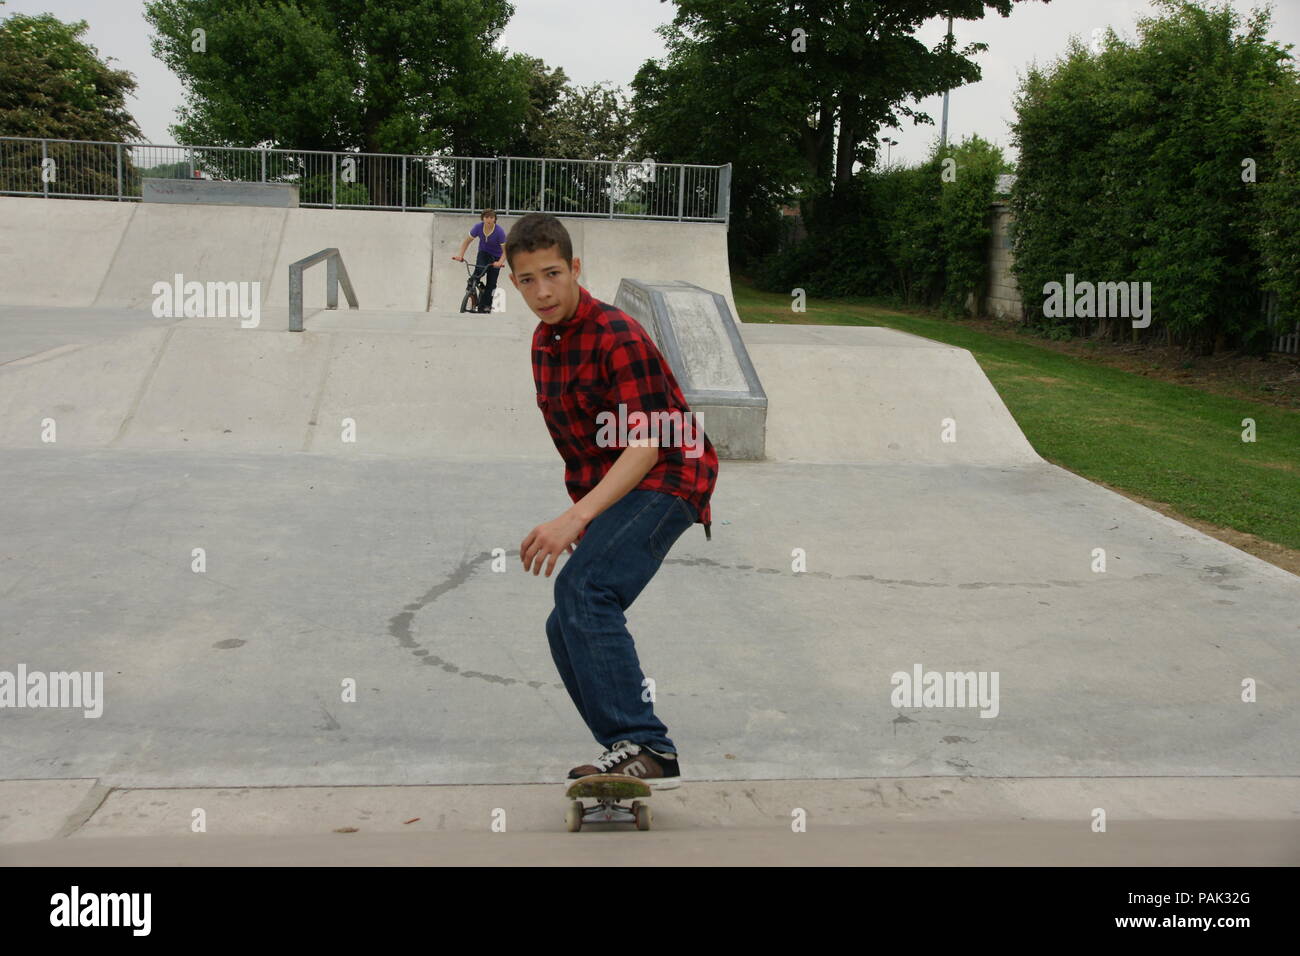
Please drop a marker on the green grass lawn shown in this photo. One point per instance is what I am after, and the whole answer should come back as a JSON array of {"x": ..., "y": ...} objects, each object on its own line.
[{"x": 1170, "y": 443}]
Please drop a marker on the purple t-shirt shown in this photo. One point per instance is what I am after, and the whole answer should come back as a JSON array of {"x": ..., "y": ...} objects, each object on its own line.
[{"x": 490, "y": 244}]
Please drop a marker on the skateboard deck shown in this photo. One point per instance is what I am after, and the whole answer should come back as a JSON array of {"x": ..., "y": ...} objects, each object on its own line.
[{"x": 610, "y": 792}]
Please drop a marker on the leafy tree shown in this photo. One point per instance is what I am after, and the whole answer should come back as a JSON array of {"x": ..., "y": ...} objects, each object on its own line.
[
  {"x": 913, "y": 232},
  {"x": 1279, "y": 202},
  {"x": 376, "y": 76},
  {"x": 1131, "y": 170},
  {"x": 735, "y": 87},
  {"x": 54, "y": 85},
  {"x": 918, "y": 234},
  {"x": 545, "y": 89},
  {"x": 682, "y": 115},
  {"x": 591, "y": 122},
  {"x": 964, "y": 217}
]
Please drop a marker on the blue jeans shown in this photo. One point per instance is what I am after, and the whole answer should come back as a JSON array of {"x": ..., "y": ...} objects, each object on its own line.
[
  {"x": 481, "y": 266},
  {"x": 616, "y": 558}
]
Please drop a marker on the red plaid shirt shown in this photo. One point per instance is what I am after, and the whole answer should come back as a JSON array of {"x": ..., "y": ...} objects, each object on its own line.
[{"x": 594, "y": 362}]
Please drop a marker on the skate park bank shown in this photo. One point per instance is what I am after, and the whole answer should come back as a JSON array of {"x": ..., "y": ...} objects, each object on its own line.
[{"x": 86, "y": 253}]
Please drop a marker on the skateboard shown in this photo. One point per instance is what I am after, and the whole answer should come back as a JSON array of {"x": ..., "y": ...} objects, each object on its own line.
[{"x": 610, "y": 791}]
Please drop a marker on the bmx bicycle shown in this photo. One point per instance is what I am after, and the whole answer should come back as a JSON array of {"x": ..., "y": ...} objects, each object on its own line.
[{"x": 475, "y": 286}]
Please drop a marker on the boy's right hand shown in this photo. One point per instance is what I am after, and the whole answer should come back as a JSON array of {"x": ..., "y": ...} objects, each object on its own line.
[
  {"x": 545, "y": 543},
  {"x": 458, "y": 258}
]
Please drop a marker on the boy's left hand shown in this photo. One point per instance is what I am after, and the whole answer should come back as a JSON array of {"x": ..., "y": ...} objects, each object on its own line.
[{"x": 550, "y": 540}]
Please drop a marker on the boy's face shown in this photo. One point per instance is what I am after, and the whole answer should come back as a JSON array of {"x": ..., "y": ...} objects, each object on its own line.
[
  {"x": 489, "y": 223},
  {"x": 545, "y": 281}
]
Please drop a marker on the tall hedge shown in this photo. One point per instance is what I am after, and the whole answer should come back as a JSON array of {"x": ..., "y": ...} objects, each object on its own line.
[
  {"x": 1131, "y": 169},
  {"x": 1278, "y": 196},
  {"x": 918, "y": 234},
  {"x": 964, "y": 219}
]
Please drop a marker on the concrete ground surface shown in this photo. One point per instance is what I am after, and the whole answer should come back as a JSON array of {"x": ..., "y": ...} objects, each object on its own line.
[
  {"x": 985, "y": 843},
  {"x": 927, "y": 821},
  {"x": 867, "y": 545}
]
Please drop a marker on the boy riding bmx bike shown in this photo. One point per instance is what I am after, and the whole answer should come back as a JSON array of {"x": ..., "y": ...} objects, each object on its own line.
[{"x": 491, "y": 255}]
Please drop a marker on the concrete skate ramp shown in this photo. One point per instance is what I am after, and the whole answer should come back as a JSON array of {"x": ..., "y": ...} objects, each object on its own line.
[
  {"x": 878, "y": 395},
  {"x": 609, "y": 251},
  {"x": 81, "y": 253},
  {"x": 57, "y": 252},
  {"x": 654, "y": 251},
  {"x": 386, "y": 255},
  {"x": 449, "y": 385},
  {"x": 237, "y": 244},
  {"x": 464, "y": 389}
]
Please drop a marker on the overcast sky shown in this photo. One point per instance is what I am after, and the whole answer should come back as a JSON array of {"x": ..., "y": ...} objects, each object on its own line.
[{"x": 610, "y": 39}]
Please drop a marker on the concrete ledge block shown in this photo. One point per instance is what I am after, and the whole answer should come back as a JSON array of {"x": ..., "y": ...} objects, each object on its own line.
[{"x": 211, "y": 192}]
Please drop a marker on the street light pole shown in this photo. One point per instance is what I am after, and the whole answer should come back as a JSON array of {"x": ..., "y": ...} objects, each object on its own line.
[
  {"x": 889, "y": 145},
  {"x": 943, "y": 132}
]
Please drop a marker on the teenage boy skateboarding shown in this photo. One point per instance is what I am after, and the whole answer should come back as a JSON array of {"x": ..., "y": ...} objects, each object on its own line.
[{"x": 632, "y": 498}]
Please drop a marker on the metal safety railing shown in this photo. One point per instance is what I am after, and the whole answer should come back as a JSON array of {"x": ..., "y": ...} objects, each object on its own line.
[
  {"x": 85, "y": 169},
  {"x": 335, "y": 275}
]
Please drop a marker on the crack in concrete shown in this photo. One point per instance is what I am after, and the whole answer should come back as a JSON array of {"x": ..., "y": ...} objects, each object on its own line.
[
  {"x": 399, "y": 626},
  {"x": 827, "y": 576}
]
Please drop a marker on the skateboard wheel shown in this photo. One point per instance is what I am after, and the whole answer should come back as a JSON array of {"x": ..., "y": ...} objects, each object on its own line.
[
  {"x": 574, "y": 816},
  {"x": 643, "y": 816}
]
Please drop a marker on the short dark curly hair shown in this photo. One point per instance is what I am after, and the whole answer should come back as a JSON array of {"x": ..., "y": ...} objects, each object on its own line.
[{"x": 538, "y": 230}]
